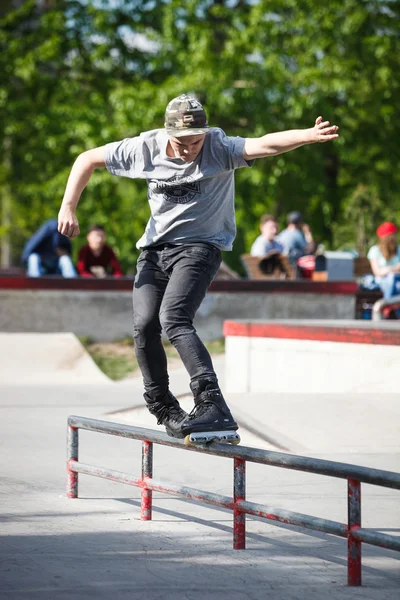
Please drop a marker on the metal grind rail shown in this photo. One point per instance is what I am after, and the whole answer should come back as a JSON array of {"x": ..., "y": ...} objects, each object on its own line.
[{"x": 354, "y": 474}]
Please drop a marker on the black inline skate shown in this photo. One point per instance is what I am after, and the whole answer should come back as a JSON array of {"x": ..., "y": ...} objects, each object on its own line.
[{"x": 210, "y": 420}]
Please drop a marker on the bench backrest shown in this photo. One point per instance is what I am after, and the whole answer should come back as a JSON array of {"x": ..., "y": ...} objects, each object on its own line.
[
  {"x": 253, "y": 271},
  {"x": 362, "y": 266}
]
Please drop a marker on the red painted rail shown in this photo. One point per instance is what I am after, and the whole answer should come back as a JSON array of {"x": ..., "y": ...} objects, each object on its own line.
[
  {"x": 238, "y": 504},
  {"x": 383, "y": 308}
]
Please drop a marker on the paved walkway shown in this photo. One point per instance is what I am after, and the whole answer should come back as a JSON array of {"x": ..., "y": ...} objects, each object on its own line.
[{"x": 97, "y": 547}]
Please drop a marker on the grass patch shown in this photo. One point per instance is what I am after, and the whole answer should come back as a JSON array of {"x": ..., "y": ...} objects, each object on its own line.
[
  {"x": 117, "y": 359},
  {"x": 115, "y": 367}
]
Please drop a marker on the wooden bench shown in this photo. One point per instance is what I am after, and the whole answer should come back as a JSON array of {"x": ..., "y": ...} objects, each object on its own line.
[
  {"x": 254, "y": 271},
  {"x": 362, "y": 266}
]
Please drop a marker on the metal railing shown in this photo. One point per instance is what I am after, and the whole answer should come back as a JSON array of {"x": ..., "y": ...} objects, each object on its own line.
[
  {"x": 355, "y": 475},
  {"x": 382, "y": 308}
]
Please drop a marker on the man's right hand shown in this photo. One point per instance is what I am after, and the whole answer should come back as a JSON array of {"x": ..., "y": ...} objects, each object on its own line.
[{"x": 68, "y": 222}]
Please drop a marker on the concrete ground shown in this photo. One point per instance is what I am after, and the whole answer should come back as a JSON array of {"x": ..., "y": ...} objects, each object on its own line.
[{"x": 96, "y": 546}]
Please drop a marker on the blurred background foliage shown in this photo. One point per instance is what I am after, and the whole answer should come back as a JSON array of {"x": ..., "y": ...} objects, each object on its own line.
[{"x": 78, "y": 74}]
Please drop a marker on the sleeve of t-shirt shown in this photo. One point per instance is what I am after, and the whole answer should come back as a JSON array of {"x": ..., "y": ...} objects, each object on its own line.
[
  {"x": 230, "y": 149},
  {"x": 236, "y": 145},
  {"x": 301, "y": 241},
  {"x": 258, "y": 247},
  {"x": 373, "y": 253},
  {"x": 125, "y": 158}
]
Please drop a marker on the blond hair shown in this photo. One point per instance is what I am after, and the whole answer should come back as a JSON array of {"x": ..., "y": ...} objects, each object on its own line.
[{"x": 388, "y": 246}]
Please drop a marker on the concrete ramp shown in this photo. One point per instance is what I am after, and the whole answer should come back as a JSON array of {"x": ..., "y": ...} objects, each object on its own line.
[{"x": 46, "y": 358}]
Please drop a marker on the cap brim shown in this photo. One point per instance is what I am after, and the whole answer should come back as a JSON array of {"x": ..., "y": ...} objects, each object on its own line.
[{"x": 187, "y": 131}]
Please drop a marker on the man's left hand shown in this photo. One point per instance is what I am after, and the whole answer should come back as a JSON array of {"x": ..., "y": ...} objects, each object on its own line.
[{"x": 323, "y": 131}]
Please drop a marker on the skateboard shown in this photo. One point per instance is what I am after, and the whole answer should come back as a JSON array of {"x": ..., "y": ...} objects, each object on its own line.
[{"x": 203, "y": 438}]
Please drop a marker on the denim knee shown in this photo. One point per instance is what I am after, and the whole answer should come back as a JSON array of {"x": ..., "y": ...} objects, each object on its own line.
[
  {"x": 388, "y": 284},
  {"x": 174, "y": 324},
  {"x": 144, "y": 330},
  {"x": 34, "y": 267},
  {"x": 66, "y": 267}
]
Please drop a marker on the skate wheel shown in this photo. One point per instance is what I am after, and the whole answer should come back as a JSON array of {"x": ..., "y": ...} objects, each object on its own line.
[
  {"x": 206, "y": 439},
  {"x": 187, "y": 441}
]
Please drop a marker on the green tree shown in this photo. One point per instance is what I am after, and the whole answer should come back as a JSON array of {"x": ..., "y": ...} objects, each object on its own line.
[
  {"x": 363, "y": 211},
  {"x": 74, "y": 75}
]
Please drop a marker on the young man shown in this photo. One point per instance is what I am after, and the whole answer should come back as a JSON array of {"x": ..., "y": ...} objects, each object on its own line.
[
  {"x": 266, "y": 241},
  {"x": 189, "y": 168},
  {"x": 96, "y": 258}
]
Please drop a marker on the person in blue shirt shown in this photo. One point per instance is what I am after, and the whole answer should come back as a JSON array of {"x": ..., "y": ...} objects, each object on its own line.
[
  {"x": 297, "y": 239},
  {"x": 266, "y": 241},
  {"x": 48, "y": 252}
]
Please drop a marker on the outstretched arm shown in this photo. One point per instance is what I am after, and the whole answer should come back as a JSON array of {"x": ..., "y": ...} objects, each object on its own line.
[
  {"x": 79, "y": 177},
  {"x": 283, "y": 141}
]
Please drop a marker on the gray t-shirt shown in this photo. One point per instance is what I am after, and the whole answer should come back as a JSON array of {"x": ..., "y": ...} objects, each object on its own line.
[{"x": 189, "y": 202}]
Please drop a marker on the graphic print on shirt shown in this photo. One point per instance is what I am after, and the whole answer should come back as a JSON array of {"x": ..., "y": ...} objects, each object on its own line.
[{"x": 179, "y": 190}]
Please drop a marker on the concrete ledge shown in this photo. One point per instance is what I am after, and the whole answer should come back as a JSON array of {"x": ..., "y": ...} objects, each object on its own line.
[
  {"x": 353, "y": 332},
  {"x": 266, "y": 357},
  {"x": 106, "y": 315}
]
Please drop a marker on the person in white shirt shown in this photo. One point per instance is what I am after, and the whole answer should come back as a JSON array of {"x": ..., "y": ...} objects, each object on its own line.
[{"x": 266, "y": 241}]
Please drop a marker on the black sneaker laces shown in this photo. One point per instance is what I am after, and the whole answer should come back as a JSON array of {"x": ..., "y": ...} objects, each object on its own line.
[
  {"x": 204, "y": 406},
  {"x": 169, "y": 412},
  {"x": 162, "y": 414}
]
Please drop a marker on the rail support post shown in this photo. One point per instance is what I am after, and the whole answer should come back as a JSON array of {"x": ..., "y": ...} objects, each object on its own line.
[
  {"x": 354, "y": 522},
  {"x": 147, "y": 472},
  {"x": 72, "y": 456},
  {"x": 239, "y": 494}
]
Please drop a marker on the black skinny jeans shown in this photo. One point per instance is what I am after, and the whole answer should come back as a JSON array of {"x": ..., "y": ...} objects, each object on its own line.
[{"x": 170, "y": 284}]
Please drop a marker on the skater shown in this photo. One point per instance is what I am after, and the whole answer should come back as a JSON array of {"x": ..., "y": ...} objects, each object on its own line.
[{"x": 189, "y": 167}]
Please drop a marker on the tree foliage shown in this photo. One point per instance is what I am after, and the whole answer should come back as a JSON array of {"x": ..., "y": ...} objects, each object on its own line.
[{"x": 74, "y": 75}]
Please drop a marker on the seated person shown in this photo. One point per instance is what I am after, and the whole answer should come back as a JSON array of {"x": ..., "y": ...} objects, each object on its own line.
[
  {"x": 48, "y": 252},
  {"x": 297, "y": 239},
  {"x": 266, "y": 241},
  {"x": 385, "y": 260},
  {"x": 96, "y": 258}
]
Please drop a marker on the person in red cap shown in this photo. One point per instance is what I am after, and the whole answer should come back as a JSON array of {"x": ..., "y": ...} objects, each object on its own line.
[{"x": 385, "y": 260}]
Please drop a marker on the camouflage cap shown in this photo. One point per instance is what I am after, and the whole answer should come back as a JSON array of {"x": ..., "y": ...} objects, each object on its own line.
[{"x": 185, "y": 115}]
